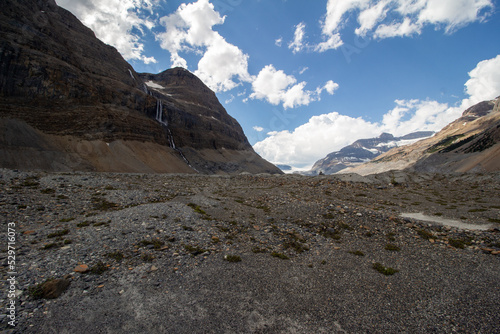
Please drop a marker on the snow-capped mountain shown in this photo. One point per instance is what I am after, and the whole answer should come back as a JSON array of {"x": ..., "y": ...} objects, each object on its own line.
[{"x": 364, "y": 150}]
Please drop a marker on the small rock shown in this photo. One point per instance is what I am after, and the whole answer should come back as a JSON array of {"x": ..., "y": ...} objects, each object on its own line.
[
  {"x": 81, "y": 268},
  {"x": 154, "y": 268}
]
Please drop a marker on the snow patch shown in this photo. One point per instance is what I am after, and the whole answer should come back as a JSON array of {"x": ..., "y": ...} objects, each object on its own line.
[{"x": 154, "y": 85}]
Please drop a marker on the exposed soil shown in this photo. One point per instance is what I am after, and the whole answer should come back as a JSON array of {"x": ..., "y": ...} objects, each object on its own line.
[{"x": 251, "y": 253}]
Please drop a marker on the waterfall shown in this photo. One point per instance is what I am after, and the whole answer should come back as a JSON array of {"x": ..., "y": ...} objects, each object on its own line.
[
  {"x": 159, "y": 112},
  {"x": 170, "y": 137}
]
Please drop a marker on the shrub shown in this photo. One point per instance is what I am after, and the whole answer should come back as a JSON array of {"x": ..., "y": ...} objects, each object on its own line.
[
  {"x": 232, "y": 258},
  {"x": 384, "y": 270}
]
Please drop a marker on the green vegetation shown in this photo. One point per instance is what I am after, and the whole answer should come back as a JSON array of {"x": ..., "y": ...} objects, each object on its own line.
[
  {"x": 425, "y": 234},
  {"x": 357, "y": 253},
  {"x": 101, "y": 204},
  {"x": 232, "y": 258},
  {"x": 36, "y": 291},
  {"x": 391, "y": 247},
  {"x": 457, "y": 243},
  {"x": 146, "y": 257},
  {"x": 117, "y": 255},
  {"x": 102, "y": 223},
  {"x": 384, "y": 270},
  {"x": 58, "y": 233},
  {"x": 156, "y": 243},
  {"x": 256, "y": 250},
  {"x": 197, "y": 208},
  {"x": 65, "y": 220},
  {"x": 99, "y": 268},
  {"x": 194, "y": 250},
  {"x": 279, "y": 255},
  {"x": 478, "y": 210},
  {"x": 295, "y": 245},
  {"x": 31, "y": 182},
  {"x": 84, "y": 223},
  {"x": 443, "y": 144},
  {"x": 51, "y": 245}
]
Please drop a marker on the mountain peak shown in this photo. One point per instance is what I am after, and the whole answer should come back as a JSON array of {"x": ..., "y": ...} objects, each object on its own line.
[
  {"x": 386, "y": 136},
  {"x": 91, "y": 111}
]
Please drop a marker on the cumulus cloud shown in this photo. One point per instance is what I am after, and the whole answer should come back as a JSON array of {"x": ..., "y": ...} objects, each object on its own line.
[
  {"x": 277, "y": 87},
  {"x": 258, "y": 128},
  {"x": 392, "y": 18},
  {"x": 313, "y": 140},
  {"x": 331, "y": 87},
  {"x": 330, "y": 132},
  {"x": 484, "y": 82},
  {"x": 119, "y": 23},
  {"x": 190, "y": 29}
]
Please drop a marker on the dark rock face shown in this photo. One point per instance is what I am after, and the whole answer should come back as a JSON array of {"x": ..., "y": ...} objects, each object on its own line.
[
  {"x": 478, "y": 110},
  {"x": 59, "y": 79},
  {"x": 194, "y": 113}
]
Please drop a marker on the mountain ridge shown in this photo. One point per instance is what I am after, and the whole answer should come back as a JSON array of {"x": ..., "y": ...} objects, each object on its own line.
[
  {"x": 361, "y": 151},
  {"x": 469, "y": 144},
  {"x": 83, "y": 101}
]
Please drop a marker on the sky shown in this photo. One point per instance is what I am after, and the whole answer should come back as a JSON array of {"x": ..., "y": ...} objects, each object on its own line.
[{"x": 306, "y": 78}]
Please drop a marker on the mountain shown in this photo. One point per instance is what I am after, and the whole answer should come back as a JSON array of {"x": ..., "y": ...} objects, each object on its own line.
[
  {"x": 70, "y": 102},
  {"x": 469, "y": 144},
  {"x": 363, "y": 150}
]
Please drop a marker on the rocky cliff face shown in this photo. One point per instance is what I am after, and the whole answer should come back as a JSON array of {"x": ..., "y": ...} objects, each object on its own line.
[
  {"x": 363, "y": 150},
  {"x": 469, "y": 144},
  {"x": 77, "y": 95}
]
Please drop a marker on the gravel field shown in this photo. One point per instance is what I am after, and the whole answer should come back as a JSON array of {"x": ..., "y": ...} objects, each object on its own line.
[{"x": 145, "y": 253}]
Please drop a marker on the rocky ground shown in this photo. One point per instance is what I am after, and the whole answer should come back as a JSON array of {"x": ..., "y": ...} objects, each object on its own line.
[{"x": 144, "y": 253}]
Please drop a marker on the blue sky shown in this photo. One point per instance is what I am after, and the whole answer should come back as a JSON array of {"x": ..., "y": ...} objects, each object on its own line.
[{"x": 305, "y": 78}]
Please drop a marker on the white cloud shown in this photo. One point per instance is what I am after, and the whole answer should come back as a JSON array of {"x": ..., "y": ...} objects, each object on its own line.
[
  {"x": 484, "y": 82},
  {"x": 369, "y": 17},
  {"x": 114, "y": 22},
  {"x": 279, "y": 42},
  {"x": 275, "y": 87},
  {"x": 271, "y": 84},
  {"x": 297, "y": 44},
  {"x": 258, "y": 128},
  {"x": 452, "y": 13},
  {"x": 330, "y": 132},
  {"x": 391, "y": 18},
  {"x": 333, "y": 41},
  {"x": 331, "y": 87},
  {"x": 190, "y": 29},
  {"x": 399, "y": 29},
  {"x": 313, "y": 140}
]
